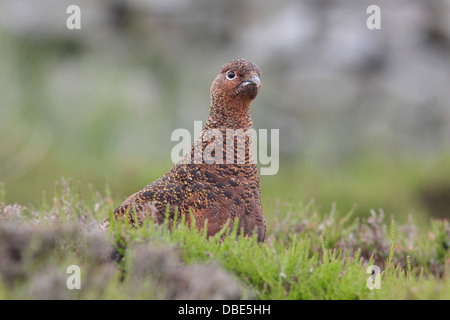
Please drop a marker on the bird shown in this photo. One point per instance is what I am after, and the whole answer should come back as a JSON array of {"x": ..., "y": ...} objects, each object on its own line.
[{"x": 217, "y": 182}]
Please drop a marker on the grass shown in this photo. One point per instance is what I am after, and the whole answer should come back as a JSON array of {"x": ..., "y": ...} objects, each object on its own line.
[
  {"x": 66, "y": 112},
  {"x": 308, "y": 255}
]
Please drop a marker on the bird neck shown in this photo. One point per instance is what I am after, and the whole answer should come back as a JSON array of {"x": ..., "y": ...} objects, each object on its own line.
[
  {"x": 223, "y": 115},
  {"x": 225, "y": 122}
]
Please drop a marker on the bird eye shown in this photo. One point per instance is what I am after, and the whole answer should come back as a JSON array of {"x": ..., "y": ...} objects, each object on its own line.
[{"x": 231, "y": 75}]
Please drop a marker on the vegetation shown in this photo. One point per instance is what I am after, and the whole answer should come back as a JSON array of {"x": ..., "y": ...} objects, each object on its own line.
[
  {"x": 308, "y": 255},
  {"x": 104, "y": 115}
]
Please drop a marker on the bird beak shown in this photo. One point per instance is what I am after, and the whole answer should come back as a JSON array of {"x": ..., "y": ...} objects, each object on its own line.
[{"x": 252, "y": 81}]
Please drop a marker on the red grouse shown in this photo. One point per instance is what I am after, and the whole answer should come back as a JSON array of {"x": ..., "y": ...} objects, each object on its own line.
[{"x": 218, "y": 180}]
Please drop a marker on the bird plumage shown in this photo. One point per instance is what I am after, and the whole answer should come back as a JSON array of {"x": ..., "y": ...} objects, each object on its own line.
[{"x": 219, "y": 187}]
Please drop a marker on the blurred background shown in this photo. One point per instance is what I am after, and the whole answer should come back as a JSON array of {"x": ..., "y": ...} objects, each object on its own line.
[{"x": 364, "y": 115}]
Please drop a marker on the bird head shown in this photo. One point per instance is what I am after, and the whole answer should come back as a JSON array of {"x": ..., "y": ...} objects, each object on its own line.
[{"x": 237, "y": 83}]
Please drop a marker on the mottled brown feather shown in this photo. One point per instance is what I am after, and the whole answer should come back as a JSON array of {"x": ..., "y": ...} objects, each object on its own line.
[{"x": 214, "y": 193}]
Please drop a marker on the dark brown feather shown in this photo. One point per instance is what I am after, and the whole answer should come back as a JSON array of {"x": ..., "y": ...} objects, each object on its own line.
[{"x": 218, "y": 192}]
